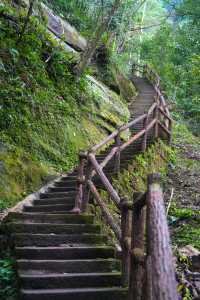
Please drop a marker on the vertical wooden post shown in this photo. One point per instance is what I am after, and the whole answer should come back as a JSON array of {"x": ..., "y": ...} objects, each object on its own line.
[
  {"x": 137, "y": 252},
  {"x": 158, "y": 244},
  {"x": 86, "y": 190},
  {"x": 156, "y": 116},
  {"x": 145, "y": 71},
  {"x": 125, "y": 232},
  {"x": 144, "y": 142},
  {"x": 80, "y": 183},
  {"x": 170, "y": 129},
  {"x": 117, "y": 155}
]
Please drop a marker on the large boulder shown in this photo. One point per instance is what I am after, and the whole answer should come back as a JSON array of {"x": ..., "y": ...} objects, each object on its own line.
[{"x": 62, "y": 28}]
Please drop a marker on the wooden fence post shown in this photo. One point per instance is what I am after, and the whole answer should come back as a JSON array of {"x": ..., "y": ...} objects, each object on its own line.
[
  {"x": 125, "y": 232},
  {"x": 80, "y": 183},
  {"x": 156, "y": 116},
  {"x": 137, "y": 251},
  {"x": 170, "y": 129},
  {"x": 144, "y": 142},
  {"x": 158, "y": 244},
  {"x": 86, "y": 190},
  {"x": 117, "y": 155}
]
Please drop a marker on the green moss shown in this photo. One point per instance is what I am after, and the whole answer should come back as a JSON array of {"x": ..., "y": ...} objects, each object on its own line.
[
  {"x": 187, "y": 234},
  {"x": 46, "y": 115},
  {"x": 8, "y": 279},
  {"x": 19, "y": 175},
  {"x": 133, "y": 179}
]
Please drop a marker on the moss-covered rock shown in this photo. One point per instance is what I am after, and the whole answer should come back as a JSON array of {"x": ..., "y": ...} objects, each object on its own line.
[
  {"x": 46, "y": 115},
  {"x": 134, "y": 179},
  {"x": 126, "y": 87}
]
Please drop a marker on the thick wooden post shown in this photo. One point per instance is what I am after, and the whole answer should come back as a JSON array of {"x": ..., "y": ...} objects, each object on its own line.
[
  {"x": 158, "y": 245},
  {"x": 137, "y": 250},
  {"x": 156, "y": 116},
  {"x": 144, "y": 142},
  {"x": 80, "y": 183},
  {"x": 86, "y": 190},
  {"x": 125, "y": 232},
  {"x": 170, "y": 130},
  {"x": 117, "y": 155}
]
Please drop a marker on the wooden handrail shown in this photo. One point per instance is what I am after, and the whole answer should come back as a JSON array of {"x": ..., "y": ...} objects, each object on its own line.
[
  {"x": 157, "y": 117},
  {"x": 105, "y": 141},
  {"x": 114, "y": 195},
  {"x": 106, "y": 214},
  {"x": 152, "y": 274},
  {"x": 163, "y": 283},
  {"x": 116, "y": 132},
  {"x": 131, "y": 123}
]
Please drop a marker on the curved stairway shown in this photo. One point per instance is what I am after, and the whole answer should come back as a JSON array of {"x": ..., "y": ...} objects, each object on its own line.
[{"x": 61, "y": 255}]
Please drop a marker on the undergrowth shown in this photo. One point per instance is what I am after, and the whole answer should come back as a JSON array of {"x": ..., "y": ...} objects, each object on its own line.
[
  {"x": 46, "y": 115},
  {"x": 8, "y": 279},
  {"x": 134, "y": 178}
]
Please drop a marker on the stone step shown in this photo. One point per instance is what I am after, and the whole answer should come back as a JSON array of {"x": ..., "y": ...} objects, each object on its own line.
[
  {"x": 64, "y": 281},
  {"x": 68, "y": 266},
  {"x": 67, "y": 188},
  {"x": 109, "y": 293},
  {"x": 64, "y": 252},
  {"x": 51, "y": 218},
  {"x": 58, "y": 194},
  {"x": 66, "y": 182},
  {"x": 45, "y": 240},
  {"x": 54, "y": 208},
  {"x": 71, "y": 177},
  {"x": 52, "y": 228},
  {"x": 50, "y": 201}
]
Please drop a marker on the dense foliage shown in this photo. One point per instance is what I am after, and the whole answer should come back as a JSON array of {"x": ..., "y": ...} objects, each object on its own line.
[
  {"x": 174, "y": 51},
  {"x": 46, "y": 115},
  {"x": 162, "y": 33}
]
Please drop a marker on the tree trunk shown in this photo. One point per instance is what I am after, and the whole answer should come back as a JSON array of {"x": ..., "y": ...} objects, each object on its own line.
[
  {"x": 89, "y": 52},
  {"x": 30, "y": 11}
]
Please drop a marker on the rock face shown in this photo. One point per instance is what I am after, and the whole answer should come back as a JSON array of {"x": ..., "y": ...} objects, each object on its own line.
[
  {"x": 194, "y": 256},
  {"x": 126, "y": 87},
  {"x": 62, "y": 29}
]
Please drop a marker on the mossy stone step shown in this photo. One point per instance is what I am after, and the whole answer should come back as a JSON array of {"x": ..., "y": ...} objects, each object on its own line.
[
  {"x": 67, "y": 188},
  {"x": 78, "y": 280},
  {"x": 88, "y": 252},
  {"x": 64, "y": 183},
  {"x": 58, "y": 194},
  {"x": 71, "y": 177},
  {"x": 112, "y": 293},
  {"x": 68, "y": 266},
  {"x": 44, "y": 240},
  {"x": 50, "y": 201},
  {"x": 53, "y": 208},
  {"x": 51, "y": 218},
  {"x": 51, "y": 228}
]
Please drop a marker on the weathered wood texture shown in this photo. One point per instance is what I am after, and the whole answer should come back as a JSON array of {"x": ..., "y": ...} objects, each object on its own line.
[
  {"x": 158, "y": 244},
  {"x": 137, "y": 249},
  {"x": 80, "y": 183},
  {"x": 112, "y": 192},
  {"x": 125, "y": 232},
  {"x": 153, "y": 270},
  {"x": 105, "y": 212}
]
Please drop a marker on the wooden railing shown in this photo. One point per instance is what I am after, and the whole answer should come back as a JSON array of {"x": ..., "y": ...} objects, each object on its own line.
[
  {"x": 157, "y": 119},
  {"x": 152, "y": 275}
]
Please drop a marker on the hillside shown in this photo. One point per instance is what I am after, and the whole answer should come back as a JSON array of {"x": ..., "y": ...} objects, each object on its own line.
[
  {"x": 46, "y": 117},
  {"x": 71, "y": 74}
]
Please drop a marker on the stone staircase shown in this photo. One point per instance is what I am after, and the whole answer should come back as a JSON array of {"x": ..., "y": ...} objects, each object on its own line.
[{"x": 61, "y": 255}]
